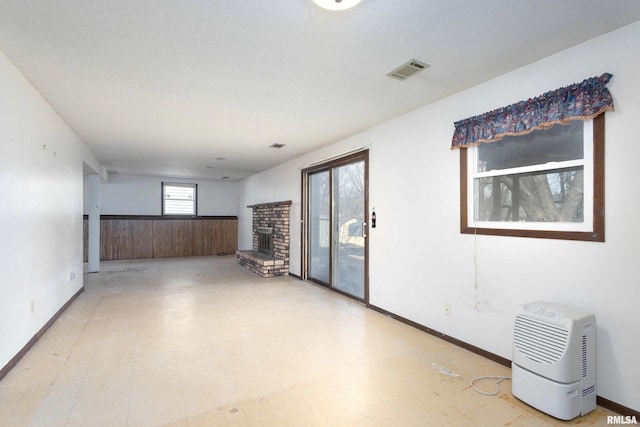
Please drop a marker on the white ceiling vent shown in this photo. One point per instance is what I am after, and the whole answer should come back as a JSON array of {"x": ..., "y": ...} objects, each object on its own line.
[{"x": 408, "y": 69}]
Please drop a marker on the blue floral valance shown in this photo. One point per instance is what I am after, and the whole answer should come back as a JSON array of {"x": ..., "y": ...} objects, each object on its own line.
[{"x": 580, "y": 101}]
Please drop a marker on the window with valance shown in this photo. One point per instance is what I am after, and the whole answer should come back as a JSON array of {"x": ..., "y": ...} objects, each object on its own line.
[{"x": 536, "y": 168}]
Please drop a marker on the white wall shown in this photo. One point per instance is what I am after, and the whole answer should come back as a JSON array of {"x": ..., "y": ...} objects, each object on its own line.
[
  {"x": 418, "y": 259},
  {"x": 40, "y": 212},
  {"x": 141, "y": 195}
]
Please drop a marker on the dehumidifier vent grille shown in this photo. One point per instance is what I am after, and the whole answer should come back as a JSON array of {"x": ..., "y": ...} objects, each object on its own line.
[
  {"x": 587, "y": 391},
  {"x": 540, "y": 341},
  {"x": 584, "y": 356}
]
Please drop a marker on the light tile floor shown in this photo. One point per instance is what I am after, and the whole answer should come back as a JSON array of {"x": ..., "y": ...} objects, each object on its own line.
[{"x": 203, "y": 342}]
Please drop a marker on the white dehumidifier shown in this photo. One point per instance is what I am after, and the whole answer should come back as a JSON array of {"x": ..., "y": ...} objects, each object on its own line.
[{"x": 554, "y": 359}]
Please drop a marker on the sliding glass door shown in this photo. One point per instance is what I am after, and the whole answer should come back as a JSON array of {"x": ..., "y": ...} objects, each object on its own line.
[
  {"x": 336, "y": 225},
  {"x": 319, "y": 226}
]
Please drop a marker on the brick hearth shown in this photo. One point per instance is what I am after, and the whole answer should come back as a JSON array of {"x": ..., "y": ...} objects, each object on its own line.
[{"x": 274, "y": 215}]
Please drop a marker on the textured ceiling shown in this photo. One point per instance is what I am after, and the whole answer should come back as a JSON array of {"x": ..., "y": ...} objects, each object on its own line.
[{"x": 168, "y": 87}]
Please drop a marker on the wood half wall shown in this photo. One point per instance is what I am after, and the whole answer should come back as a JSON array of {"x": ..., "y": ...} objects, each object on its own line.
[{"x": 144, "y": 237}]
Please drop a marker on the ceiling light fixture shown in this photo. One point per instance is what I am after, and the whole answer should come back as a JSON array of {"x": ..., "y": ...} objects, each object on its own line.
[{"x": 336, "y": 4}]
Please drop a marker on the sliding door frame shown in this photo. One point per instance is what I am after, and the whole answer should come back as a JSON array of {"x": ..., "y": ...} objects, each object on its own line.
[{"x": 329, "y": 165}]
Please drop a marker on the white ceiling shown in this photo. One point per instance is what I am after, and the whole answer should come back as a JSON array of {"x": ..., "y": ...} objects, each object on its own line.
[{"x": 168, "y": 87}]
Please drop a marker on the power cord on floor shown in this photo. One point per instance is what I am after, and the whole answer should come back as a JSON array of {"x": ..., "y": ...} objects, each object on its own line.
[{"x": 498, "y": 379}]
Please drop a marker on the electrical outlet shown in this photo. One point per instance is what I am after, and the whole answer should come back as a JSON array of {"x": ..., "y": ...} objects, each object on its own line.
[
  {"x": 447, "y": 310},
  {"x": 32, "y": 307}
]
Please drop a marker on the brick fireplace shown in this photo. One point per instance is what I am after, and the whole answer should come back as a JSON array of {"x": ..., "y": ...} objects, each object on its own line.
[{"x": 270, "y": 254}]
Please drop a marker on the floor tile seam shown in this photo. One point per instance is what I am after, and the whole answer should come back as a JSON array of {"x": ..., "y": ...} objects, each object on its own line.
[
  {"x": 135, "y": 356},
  {"x": 89, "y": 317},
  {"x": 14, "y": 408},
  {"x": 180, "y": 382},
  {"x": 86, "y": 371},
  {"x": 51, "y": 386},
  {"x": 308, "y": 421}
]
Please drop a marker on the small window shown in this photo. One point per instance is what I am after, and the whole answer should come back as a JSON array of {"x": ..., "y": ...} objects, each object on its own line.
[
  {"x": 549, "y": 183},
  {"x": 179, "y": 199}
]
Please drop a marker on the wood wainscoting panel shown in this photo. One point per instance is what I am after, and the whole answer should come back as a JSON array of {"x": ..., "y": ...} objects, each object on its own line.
[
  {"x": 145, "y": 237},
  {"x": 177, "y": 238},
  {"x": 115, "y": 239},
  {"x": 141, "y": 243},
  {"x": 211, "y": 236},
  {"x": 125, "y": 239},
  {"x": 174, "y": 238},
  {"x": 220, "y": 236},
  {"x": 230, "y": 237}
]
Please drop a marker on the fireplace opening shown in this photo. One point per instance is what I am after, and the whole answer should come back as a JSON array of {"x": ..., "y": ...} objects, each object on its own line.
[{"x": 265, "y": 240}]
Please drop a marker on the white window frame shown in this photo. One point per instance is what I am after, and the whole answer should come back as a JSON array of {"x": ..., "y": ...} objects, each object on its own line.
[
  {"x": 180, "y": 184},
  {"x": 593, "y": 226},
  {"x": 586, "y": 162}
]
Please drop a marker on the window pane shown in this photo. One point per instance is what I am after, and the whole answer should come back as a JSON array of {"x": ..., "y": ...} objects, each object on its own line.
[
  {"x": 557, "y": 144},
  {"x": 178, "y": 193},
  {"x": 349, "y": 245},
  {"x": 558, "y": 195},
  {"x": 319, "y": 226},
  {"x": 178, "y": 207},
  {"x": 179, "y": 199},
  {"x": 555, "y": 196}
]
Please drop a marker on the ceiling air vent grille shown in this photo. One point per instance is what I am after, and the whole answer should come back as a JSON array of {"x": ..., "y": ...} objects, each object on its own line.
[{"x": 408, "y": 69}]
